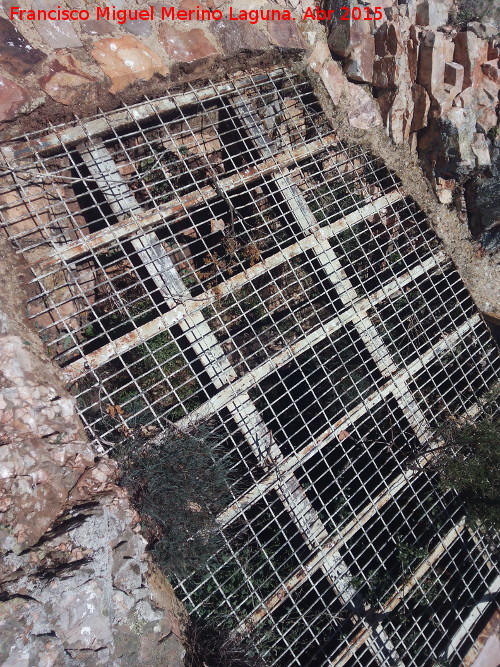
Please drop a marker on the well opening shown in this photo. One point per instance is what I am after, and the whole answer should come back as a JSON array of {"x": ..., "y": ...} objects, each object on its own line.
[{"x": 221, "y": 257}]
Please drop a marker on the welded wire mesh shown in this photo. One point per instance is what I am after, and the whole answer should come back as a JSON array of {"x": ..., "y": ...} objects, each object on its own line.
[{"x": 218, "y": 256}]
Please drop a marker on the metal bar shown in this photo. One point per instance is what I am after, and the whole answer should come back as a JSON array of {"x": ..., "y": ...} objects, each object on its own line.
[
  {"x": 98, "y": 126},
  {"x": 486, "y": 600},
  {"x": 382, "y": 392},
  {"x": 345, "y": 655},
  {"x": 158, "y": 264},
  {"x": 150, "y": 329},
  {"x": 141, "y": 222}
]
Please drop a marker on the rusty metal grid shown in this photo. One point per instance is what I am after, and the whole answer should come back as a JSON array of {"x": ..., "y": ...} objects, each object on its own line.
[{"x": 219, "y": 256}]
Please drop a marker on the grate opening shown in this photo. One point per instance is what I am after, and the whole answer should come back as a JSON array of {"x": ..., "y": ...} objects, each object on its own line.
[
  {"x": 219, "y": 258},
  {"x": 410, "y": 322}
]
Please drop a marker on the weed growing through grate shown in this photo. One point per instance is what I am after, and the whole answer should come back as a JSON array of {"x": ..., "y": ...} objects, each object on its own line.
[
  {"x": 178, "y": 485},
  {"x": 211, "y": 645},
  {"x": 331, "y": 203},
  {"x": 260, "y": 553},
  {"x": 470, "y": 464}
]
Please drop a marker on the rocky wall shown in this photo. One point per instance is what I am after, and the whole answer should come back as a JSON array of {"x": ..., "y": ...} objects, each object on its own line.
[{"x": 76, "y": 586}]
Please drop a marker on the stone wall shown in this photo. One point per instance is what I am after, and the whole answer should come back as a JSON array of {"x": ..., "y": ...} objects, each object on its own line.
[
  {"x": 436, "y": 81},
  {"x": 77, "y": 587}
]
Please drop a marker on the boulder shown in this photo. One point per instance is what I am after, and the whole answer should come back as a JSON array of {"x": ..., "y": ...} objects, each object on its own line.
[
  {"x": 386, "y": 72},
  {"x": 479, "y": 147},
  {"x": 435, "y": 51},
  {"x": 421, "y": 106},
  {"x": 470, "y": 52},
  {"x": 433, "y": 13},
  {"x": 482, "y": 30},
  {"x": 491, "y": 70},
  {"x": 362, "y": 110}
]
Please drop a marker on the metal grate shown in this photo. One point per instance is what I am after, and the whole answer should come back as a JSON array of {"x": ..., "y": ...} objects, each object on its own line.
[{"x": 220, "y": 256}]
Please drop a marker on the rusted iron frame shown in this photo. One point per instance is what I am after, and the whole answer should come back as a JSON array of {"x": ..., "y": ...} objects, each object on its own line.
[
  {"x": 230, "y": 286},
  {"x": 399, "y": 596},
  {"x": 335, "y": 543},
  {"x": 99, "y": 125},
  {"x": 292, "y": 461},
  {"x": 102, "y": 238}
]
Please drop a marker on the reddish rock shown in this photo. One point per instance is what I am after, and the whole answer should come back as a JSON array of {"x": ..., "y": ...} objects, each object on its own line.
[
  {"x": 362, "y": 110},
  {"x": 435, "y": 51},
  {"x": 412, "y": 44},
  {"x": 16, "y": 53},
  {"x": 126, "y": 60},
  {"x": 57, "y": 34},
  {"x": 65, "y": 81},
  {"x": 454, "y": 75},
  {"x": 332, "y": 77},
  {"x": 387, "y": 40},
  {"x": 421, "y": 106},
  {"x": 287, "y": 35},
  {"x": 186, "y": 5},
  {"x": 359, "y": 64},
  {"x": 237, "y": 36},
  {"x": 470, "y": 51},
  {"x": 399, "y": 118},
  {"x": 185, "y": 46},
  {"x": 493, "y": 51},
  {"x": 386, "y": 72},
  {"x": 12, "y": 98},
  {"x": 346, "y": 36},
  {"x": 385, "y": 100},
  {"x": 486, "y": 119},
  {"x": 319, "y": 55},
  {"x": 491, "y": 70},
  {"x": 465, "y": 99}
]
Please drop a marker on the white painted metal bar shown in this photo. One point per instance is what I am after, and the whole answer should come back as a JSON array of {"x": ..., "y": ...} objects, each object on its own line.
[
  {"x": 158, "y": 264},
  {"x": 399, "y": 596},
  {"x": 486, "y": 600}
]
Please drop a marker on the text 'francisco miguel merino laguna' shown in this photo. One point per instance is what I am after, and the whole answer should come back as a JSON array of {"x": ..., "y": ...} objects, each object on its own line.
[{"x": 173, "y": 14}]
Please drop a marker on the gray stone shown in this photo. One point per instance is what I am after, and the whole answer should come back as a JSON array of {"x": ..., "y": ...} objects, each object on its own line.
[
  {"x": 101, "y": 27},
  {"x": 139, "y": 28},
  {"x": 483, "y": 30},
  {"x": 81, "y": 623},
  {"x": 57, "y": 34},
  {"x": 235, "y": 37},
  {"x": 128, "y": 577}
]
